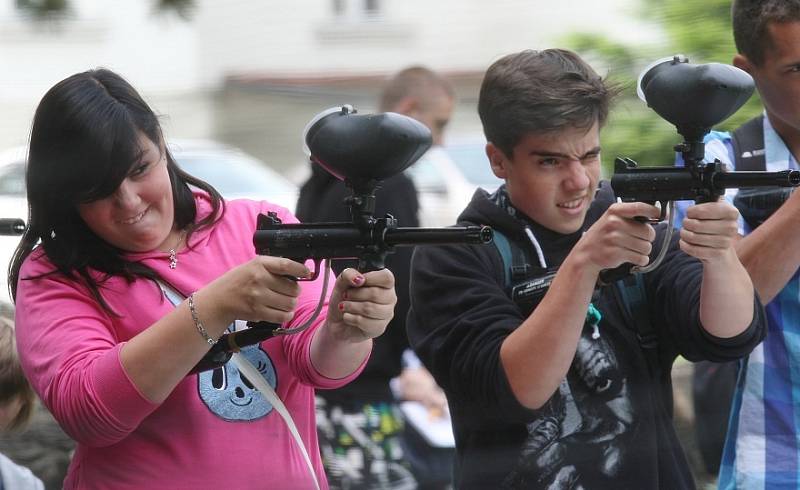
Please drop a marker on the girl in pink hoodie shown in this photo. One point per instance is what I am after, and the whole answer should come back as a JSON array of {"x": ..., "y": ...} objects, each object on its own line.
[{"x": 130, "y": 270}]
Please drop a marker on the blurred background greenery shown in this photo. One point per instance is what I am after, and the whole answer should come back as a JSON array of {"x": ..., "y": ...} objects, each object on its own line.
[{"x": 699, "y": 30}]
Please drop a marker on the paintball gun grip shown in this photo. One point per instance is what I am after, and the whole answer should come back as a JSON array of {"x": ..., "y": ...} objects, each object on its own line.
[
  {"x": 609, "y": 276},
  {"x": 370, "y": 263}
]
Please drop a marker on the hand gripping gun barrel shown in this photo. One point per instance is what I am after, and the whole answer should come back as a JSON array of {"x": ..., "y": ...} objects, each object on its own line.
[
  {"x": 361, "y": 150},
  {"x": 694, "y": 98}
]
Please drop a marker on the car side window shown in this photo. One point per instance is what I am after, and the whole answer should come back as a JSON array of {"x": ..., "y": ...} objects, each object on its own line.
[
  {"x": 427, "y": 176},
  {"x": 12, "y": 180}
]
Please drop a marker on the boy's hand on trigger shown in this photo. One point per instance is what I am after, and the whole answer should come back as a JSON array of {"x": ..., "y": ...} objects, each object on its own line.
[{"x": 619, "y": 236}]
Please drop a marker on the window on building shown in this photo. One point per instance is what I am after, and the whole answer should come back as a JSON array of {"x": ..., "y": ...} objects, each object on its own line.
[{"x": 356, "y": 10}]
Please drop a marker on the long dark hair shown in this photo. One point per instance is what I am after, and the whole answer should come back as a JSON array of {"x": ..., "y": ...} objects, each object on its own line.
[{"x": 84, "y": 141}]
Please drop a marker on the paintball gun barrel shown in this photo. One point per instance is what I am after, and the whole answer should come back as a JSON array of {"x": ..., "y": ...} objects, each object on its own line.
[
  {"x": 700, "y": 183},
  {"x": 317, "y": 241},
  {"x": 12, "y": 226}
]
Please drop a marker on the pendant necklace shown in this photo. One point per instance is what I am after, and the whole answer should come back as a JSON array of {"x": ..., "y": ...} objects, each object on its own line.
[{"x": 173, "y": 252}]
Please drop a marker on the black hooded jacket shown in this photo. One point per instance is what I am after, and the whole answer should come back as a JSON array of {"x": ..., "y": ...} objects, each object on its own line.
[{"x": 609, "y": 425}]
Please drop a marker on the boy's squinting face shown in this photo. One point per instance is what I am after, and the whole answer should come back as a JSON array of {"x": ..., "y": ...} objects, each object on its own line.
[{"x": 552, "y": 177}]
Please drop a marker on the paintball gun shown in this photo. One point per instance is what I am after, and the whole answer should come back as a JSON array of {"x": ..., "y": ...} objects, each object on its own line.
[
  {"x": 693, "y": 98},
  {"x": 12, "y": 226},
  {"x": 361, "y": 150}
]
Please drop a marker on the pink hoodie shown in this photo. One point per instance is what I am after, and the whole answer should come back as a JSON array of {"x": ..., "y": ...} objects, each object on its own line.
[{"x": 214, "y": 431}]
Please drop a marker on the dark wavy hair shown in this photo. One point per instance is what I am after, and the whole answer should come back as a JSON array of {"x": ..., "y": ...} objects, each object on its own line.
[
  {"x": 84, "y": 142},
  {"x": 541, "y": 92},
  {"x": 751, "y": 19}
]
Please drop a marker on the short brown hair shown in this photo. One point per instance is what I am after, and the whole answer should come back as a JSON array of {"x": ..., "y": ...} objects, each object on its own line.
[
  {"x": 751, "y": 19},
  {"x": 540, "y": 91},
  {"x": 417, "y": 81}
]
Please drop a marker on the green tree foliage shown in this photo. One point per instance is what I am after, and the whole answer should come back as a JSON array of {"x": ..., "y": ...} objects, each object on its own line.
[
  {"x": 182, "y": 8},
  {"x": 54, "y": 10},
  {"x": 44, "y": 9},
  {"x": 700, "y": 30}
]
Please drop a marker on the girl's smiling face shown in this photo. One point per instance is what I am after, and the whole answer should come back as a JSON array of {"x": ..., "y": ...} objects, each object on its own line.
[{"x": 139, "y": 215}]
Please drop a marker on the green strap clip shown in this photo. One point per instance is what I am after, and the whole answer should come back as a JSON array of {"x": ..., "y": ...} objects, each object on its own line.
[{"x": 593, "y": 318}]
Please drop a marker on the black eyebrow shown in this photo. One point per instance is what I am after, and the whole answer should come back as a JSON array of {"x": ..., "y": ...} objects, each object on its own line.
[{"x": 544, "y": 153}]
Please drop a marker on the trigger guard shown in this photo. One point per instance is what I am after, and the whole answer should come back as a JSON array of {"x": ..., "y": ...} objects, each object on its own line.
[
  {"x": 663, "y": 205},
  {"x": 315, "y": 272}
]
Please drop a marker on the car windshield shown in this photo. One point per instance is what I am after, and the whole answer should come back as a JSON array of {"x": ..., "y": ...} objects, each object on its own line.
[
  {"x": 230, "y": 174},
  {"x": 234, "y": 176},
  {"x": 473, "y": 164},
  {"x": 12, "y": 180}
]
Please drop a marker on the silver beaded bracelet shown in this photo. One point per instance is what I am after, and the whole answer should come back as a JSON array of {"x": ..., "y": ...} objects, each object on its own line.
[{"x": 198, "y": 324}]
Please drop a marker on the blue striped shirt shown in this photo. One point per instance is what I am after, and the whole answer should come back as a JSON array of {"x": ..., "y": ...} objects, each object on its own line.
[{"x": 762, "y": 448}]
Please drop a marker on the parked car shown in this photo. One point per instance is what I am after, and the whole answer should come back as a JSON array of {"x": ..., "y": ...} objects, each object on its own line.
[
  {"x": 232, "y": 172},
  {"x": 446, "y": 178}
]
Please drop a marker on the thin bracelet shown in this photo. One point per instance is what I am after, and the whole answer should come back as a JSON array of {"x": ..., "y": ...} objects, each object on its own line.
[{"x": 198, "y": 323}]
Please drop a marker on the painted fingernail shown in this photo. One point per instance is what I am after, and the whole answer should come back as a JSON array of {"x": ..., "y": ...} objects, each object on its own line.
[
  {"x": 358, "y": 280},
  {"x": 344, "y": 295},
  {"x": 341, "y": 306}
]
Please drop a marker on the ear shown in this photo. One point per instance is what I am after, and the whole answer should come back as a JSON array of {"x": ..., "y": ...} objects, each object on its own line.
[
  {"x": 407, "y": 106},
  {"x": 498, "y": 161},
  {"x": 740, "y": 61}
]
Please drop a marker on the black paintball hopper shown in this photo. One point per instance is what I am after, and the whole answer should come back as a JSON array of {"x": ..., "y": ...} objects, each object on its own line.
[
  {"x": 360, "y": 148},
  {"x": 694, "y": 98}
]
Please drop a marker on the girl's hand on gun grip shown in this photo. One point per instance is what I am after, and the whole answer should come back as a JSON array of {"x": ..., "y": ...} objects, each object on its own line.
[
  {"x": 361, "y": 305},
  {"x": 258, "y": 290}
]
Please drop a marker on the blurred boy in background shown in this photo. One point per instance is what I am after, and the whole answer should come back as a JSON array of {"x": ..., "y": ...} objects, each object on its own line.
[{"x": 360, "y": 425}]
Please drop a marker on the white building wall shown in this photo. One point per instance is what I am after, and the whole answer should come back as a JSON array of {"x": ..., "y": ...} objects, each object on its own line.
[
  {"x": 156, "y": 53},
  {"x": 304, "y": 36},
  {"x": 176, "y": 64}
]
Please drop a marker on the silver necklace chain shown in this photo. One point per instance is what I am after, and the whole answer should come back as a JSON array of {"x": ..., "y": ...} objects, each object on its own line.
[{"x": 173, "y": 252}]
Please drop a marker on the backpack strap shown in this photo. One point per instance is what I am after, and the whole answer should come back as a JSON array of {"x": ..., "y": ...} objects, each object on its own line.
[
  {"x": 748, "y": 145},
  {"x": 500, "y": 241},
  {"x": 634, "y": 299},
  {"x": 629, "y": 291},
  {"x": 632, "y": 296},
  {"x": 515, "y": 263}
]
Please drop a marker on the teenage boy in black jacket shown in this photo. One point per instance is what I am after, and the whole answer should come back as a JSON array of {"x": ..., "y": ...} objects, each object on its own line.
[{"x": 562, "y": 393}]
